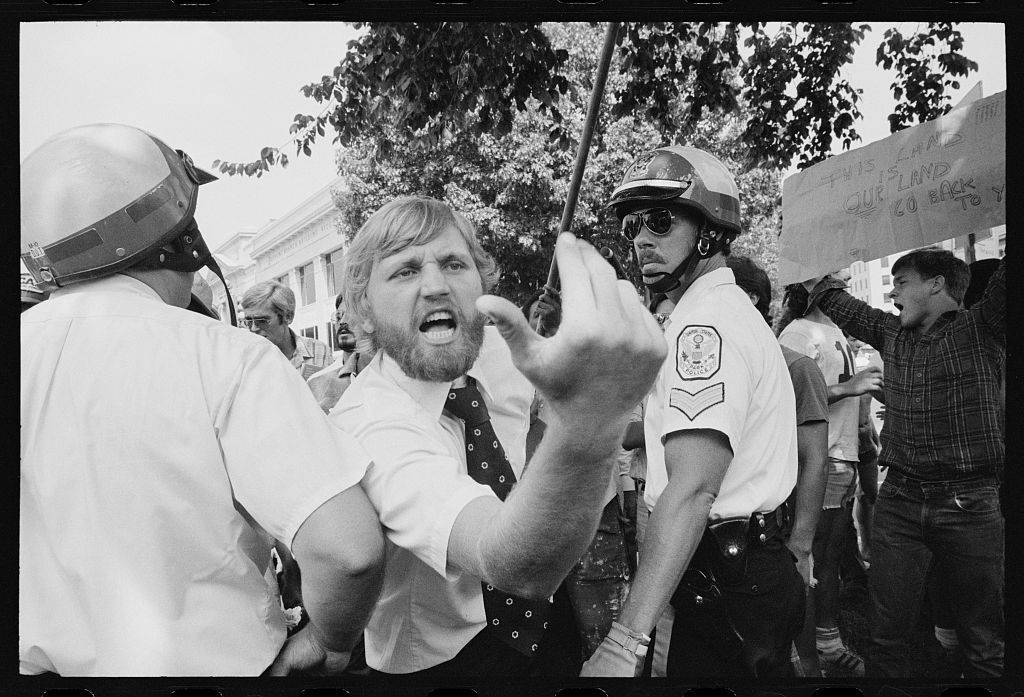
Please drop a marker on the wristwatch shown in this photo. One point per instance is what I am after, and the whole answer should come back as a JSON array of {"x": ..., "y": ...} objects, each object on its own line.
[{"x": 634, "y": 642}]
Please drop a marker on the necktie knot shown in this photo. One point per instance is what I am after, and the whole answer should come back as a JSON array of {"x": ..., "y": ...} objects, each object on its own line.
[{"x": 467, "y": 403}]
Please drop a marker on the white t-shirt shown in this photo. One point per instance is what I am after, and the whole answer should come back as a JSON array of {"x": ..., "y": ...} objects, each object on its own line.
[
  {"x": 150, "y": 435},
  {"x": 418, "y": 482},
  {"x": 825, "y": 343},
  {"x": 725, "y": 372}
]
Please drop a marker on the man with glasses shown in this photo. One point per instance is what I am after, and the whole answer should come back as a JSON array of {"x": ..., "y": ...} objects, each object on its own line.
[
  {"x": 715, "y": 577},
  {"x": 269, "y": 308}
]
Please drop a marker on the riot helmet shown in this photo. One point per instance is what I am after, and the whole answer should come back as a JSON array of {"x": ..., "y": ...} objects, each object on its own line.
[
  {"x": 98, "y": 199},
  {"x": 693, "y": 179}
]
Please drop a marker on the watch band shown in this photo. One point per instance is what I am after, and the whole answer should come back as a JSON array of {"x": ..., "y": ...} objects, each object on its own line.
[{"x": 634, "y": 642}]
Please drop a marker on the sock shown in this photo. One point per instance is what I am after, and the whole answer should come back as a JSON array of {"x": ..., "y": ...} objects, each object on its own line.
[
  {"x": 827, "y": 639},
  {"x": 947, "y": 638}
]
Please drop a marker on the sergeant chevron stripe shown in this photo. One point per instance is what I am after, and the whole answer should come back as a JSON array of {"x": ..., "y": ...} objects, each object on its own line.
[{"x": 693, "y": 403}]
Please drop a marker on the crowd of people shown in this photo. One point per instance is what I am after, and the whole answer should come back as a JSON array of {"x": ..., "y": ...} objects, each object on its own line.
[{"x": 601, "y": 482}]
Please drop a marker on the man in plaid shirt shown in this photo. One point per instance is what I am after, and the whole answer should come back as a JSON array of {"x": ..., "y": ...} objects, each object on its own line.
[{"x": 943, "y": 444}]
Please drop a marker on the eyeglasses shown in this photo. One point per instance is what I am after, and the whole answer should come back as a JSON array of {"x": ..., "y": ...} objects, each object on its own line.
[
  {"x": 251, "y": 323},
  {"x": 657, "y": 220}
]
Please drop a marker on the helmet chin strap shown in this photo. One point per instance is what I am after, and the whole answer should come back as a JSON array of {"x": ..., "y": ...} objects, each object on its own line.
[
  {"x": 193, "y": 254},
  {"x": 707, "y": 245}
]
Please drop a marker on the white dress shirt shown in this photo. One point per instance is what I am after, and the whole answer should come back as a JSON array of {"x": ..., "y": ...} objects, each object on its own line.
[
  {"x": 725, "y": 372},
  {"x": 418, "y": 482},
  {"x": 150, "y": 436}
]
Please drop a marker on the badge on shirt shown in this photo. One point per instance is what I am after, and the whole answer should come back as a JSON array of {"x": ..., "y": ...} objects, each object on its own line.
[
  {"x": 692, "y": 404},
  {"x": 698, "y": 352}
]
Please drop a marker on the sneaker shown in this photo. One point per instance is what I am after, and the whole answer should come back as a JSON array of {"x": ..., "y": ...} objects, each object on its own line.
[{"x": 843, "y": 663}]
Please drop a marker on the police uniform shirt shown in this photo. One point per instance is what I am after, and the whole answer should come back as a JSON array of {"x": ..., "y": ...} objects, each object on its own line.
[
  {"x": 151, "y": 437},
  {"x": 725, "y": 372},
  {"x": 418, "y": 483}
]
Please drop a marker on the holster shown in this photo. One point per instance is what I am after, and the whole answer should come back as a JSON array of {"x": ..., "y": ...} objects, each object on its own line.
[
  {"x": 698, "y": 600},
  {"x": 730, "y": 536}
]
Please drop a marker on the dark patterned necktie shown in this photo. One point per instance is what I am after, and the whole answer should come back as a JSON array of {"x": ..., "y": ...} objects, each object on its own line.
[{"x": 517, "y": 621}]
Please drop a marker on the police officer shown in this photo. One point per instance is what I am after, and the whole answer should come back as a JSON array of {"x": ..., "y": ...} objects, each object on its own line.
[
  {"x": 160, "y": 447},
  {"x": 715, "y": 576}
]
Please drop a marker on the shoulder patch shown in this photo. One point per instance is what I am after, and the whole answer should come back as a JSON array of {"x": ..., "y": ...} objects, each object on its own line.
[
  {"x": 692, "y": 404},
  {"x": 698, "y": 352}
]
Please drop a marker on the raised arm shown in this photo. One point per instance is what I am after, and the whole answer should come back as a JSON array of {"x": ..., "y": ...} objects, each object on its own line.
[
  {"x": 991, "y": 308},
  {"x": 591, "y": 374},
  {"x": 855, "y": 316}
]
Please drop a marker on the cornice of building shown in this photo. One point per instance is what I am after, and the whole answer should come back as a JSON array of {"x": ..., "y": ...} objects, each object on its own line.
[{"x": 280, "y": 230}]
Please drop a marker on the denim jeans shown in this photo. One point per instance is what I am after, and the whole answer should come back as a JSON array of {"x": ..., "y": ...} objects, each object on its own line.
[
  {"x": 598, "y": 584},
  {"x": 958, "y": 525}
]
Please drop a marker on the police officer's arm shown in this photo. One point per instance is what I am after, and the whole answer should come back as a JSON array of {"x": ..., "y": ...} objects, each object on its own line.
[
  {"x": 697, "y": 461},
  {"x": 341, "y": 579},
  {"x": 590, "y": 374}
]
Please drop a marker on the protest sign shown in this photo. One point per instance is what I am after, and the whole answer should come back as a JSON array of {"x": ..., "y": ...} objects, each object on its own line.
[{"x": 935, "y": 181}]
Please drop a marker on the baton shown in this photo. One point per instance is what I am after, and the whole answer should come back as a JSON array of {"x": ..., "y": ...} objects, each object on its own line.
[{"x": 584, "y": 149}]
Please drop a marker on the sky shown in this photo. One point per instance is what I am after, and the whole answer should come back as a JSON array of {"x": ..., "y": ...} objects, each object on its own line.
[{"x": 223, "y": 90}]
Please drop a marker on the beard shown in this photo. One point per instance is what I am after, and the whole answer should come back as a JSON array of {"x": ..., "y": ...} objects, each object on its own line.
[{"x": 432, "y": 362}]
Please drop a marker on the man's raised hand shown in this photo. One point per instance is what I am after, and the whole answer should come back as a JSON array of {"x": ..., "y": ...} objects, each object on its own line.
[{"x": 607, "y": 351}]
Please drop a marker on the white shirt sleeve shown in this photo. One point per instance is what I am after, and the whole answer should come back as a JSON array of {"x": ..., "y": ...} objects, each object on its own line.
[{"x": 283, "y": 456}]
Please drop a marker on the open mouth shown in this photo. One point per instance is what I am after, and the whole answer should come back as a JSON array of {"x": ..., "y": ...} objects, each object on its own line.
[{"x": 438, "y": 327}]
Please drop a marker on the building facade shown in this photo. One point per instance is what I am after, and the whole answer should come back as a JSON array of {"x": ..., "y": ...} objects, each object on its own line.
[{"x": 303, "y": 249}]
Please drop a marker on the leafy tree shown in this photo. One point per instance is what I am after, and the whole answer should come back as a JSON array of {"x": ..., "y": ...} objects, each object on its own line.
[
  {"x": 923, "y": 72},
  {"x": 414, "y": 82},
  {"x": 513, "y": 187},
  {"x": 488, "y": 117}
]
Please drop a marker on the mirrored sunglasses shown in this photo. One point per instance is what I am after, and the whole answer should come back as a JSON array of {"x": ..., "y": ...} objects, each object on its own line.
[{"x": 657, "y": 220}]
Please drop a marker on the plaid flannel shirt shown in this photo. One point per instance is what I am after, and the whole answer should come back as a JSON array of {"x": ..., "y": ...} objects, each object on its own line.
[
  {"x": 943, "y": 412},
  {"x": 310, "y": 355}
]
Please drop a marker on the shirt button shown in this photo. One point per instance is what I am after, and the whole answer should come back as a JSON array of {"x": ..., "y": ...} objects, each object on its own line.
[
  {"x": 753, "y": 588},
  {"x": 920, "y": 375},
  {"x": 762, "y": 537}
]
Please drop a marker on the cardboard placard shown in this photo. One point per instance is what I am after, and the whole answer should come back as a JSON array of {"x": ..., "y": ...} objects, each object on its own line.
[{"x": 932, "y": 182}]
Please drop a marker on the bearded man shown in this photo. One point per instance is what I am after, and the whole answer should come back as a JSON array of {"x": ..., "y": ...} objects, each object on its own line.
[{"x": 443, "y": 410}]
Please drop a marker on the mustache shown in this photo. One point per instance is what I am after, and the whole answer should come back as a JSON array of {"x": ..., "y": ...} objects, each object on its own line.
[{"x": 650, "y": 256}]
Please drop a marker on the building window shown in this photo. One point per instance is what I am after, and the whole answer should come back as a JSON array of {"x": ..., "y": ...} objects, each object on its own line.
[
  {"x": 307, "y": 291},
  {"x": 885, "y": 262},
  {"x": 310, "y": 332},
  {"x": 886, "y": 280},
  {"x": 334, "y": 265}
]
